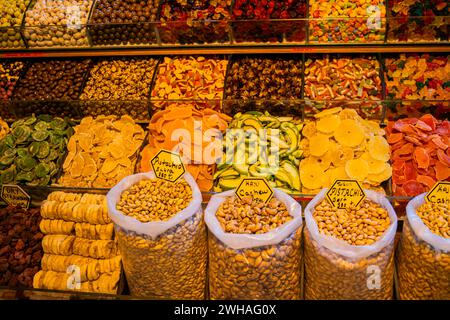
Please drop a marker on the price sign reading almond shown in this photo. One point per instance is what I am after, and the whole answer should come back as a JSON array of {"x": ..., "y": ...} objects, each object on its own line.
[
  {"x": 15, "y": 195},
  {"x": 257, "y": 188},
  {"x": 168, "y": 166},
  {"x": 440, "y": 193},
  {"x": 345, "y": 194}
]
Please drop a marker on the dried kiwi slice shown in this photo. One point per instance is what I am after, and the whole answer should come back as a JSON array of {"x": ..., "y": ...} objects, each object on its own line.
[
  {"x": 7, "y": 176},
  {"x": 54, "y": 154},
  {"x": 44, "y": 149},
  {"x": 26, "y": 163},
  {"x": 21, "y": 134},
  {"x": 41, "y": 125},
  {"x": 33, "y": 149},
  {"x": 18, "y": 123},
  {"x": 25, "y": 176},
  {"x": 10, "y": 152},
  {"x": 40, "y": 135},
  {"x": 10, "y": 141},
  {"x": 29, "y": 121},
  {"x": 40, "y": 181},
  {"x": 42, "y": 169},
  {"x": 58, "y": 124},
  {"x": 23, "y": 152},
  {"x": 55, "y": 139},
  {"x": 6, "y": 160}
]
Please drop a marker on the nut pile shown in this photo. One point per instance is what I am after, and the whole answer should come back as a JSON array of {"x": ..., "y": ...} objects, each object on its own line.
[
  {"x": 11, "y": 14},
  {"x": 247, "y": 215},
  {"x": 57, "y": 23},
  {"x": 155, "y": 200},
  {"x": 119, "y": 87},
  {"x": 359, "y": 226},
  {"x": 123, "y": 22},
  {"x": 436, "y": 217},
  {"x": 189, "y": 78},
  {"x": 9, "y": 74},
  {"x": 20, "y": 246},
  {"x": 423, "y": 271},
  {"x": 78, "y": 232}
]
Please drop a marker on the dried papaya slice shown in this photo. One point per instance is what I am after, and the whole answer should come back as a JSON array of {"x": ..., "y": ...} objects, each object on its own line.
[
  {"x": 443, "y": 158},
  {"x": 357, "y": 169},
  {"x": 409, "y": 171},
  {"x": 319, "y": 145},
  {"x": 395, "y": 137},
  {"x": 379, "y": 148},
  {"x": 429, "y": 120},
  {"x": 413, "y": 188},
  {"x": 375, "y": 166},
  {"x": 328, "y": 124},
  {"x": 438, "y": 141},
  {"x": 312, "y": 176},
  {"x": 349, "y": 133},
  {"x": 426, "y": 180},
  {"x": 327, "y": 112},
  {"x": 422, "y": 158},
  {"x": 442, "y": 171}
]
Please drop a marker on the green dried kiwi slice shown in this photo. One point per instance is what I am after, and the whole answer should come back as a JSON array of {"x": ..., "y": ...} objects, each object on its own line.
[
  {"x": 7, "y": 176},
  {"x": 58, "y": 124},
  {"x": 55, "y": 139},
  {"x": 6, "y": 160},
  {"x": 26, "y": 163},
  {"x": 45, "y": 117},
  {"x": 23, "y": 152},
  {"x": 25, "y": 176},
  {"x": 10, "y": 152},
  {"x": 10, "y": 141},
  {"x": 53, "y": 169},
  {"x": 18, "y": 123},
  {"x": 53, "y": 155},
  {"x": 29, "y": 121},
  {"x": 21, "y": 134},
  {"x": 41, "y": 126},
  {"x": 44, "y": 149},
  {"x": 33, "y": 149},
  {"x": 40, "y": 135},
  {"x": 42, "y": 170},
  {"x": 40, "y": 181}
]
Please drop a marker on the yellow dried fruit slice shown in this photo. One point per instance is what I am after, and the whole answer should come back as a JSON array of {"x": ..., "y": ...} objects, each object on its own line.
[
  {"x": 357, "y": 169},
  {"x": 349, "y": 133},
  {"x": 340, "y": 156},
  {"x": 77, "y": 166},
  {"x": 319, "y": 145},
  {"x": 383, "y": 176},
  {"x": 373, "y": 128},
  {"x": 349, "y": 114},
  {"x": 68, "y": 160},
  {"x": 379, "y": 148},
  {"x": 72, "y": 145},
  {"x": 109, "y": 165},
  {"x": 337, "y": 173},
  {"x": 117, "y": 150},
  {"x": 375, "y": 166},
  {"x": 328, "y": 124},
  {"x": 312, "y": 176},
  {"x": 309, "y": 130},
  {"x": 327, "y": 112},
  {"x": 126, "y": 162},
  {"x": 85, "y": 141}
]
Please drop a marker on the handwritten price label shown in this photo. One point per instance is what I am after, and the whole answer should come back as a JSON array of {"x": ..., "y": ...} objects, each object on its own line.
[
  {"x": 440, "y": 193},
  {"x": 15, "y": 195},
  {"x": 168, "y": 166},
  {"x": 257, "y": 188},
  {"x": 345, "y": 194}
]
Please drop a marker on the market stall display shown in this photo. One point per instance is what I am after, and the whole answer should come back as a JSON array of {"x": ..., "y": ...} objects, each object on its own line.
[
  {"x": 119, "y": 87},
  {"x": 9, "y": 75},
  {"x": 20, "y": 246},
  {"x": 420, "y": 153},
  {"x": 4, "y": 129},
  {"x": 153, "y": 232},
  {"x": 79, "y": 243},
  {"x": 194, "y": 22},
  {"x": 423, "y": 260},
  {"x": 254, "y": 247},
  {"x": 102, "y": 151},
  {"x": 11, "y": 16},
  {"x": 32, "y": 153}
]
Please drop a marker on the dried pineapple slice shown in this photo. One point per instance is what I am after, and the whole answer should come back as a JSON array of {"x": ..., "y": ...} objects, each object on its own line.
[
  {"x": 328, "y": 124},
  {"x": 309, "y": 130},
  {"x": 327, "y": 112},
  {"x": 379, "y": 148},
  {"x": 357, "y": 169},
  {"x": 349, "y": 133},
  {"x": 375, "y": 166},
  {"x": 337, "y": 173},
  {"x": 319, "y": 145},
  {"x": 340, "y": 156},
  {"x": 312, "y": 176},
  {"x": 376, "y": 179},
  {"x": 349, "y": 114}
]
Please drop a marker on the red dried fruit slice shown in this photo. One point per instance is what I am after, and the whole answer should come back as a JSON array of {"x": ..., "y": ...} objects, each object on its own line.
[
  {"x": 429, "y": 120},
  {"x": 442, "y": 171},
  {"x": 407, "y": 148},
  {"x": 443, "y": 157},
  {"x": 444, "y": 128},
  {"x": 413, "y": 140},
  {"x": 403, "y": 127},
  {"x": 426, "y": 180},
  {"x": 395, "y": 137},
  {"x": 389, "y": 127},
  {"x": 398, "y": 145},
  {"x": 400, "y": 192},
  {"x": 410, "y": 171},
  {"x": 423, "y": 126},
  {"x": 413, "y": 188},
  {"x": 422, "y": 158},
  {"x": 398, "y": 165}
]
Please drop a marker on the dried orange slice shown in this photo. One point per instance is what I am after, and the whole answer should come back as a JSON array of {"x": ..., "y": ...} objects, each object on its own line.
[
  {"x": 319, "y": 145},
  {"x": 379, "y": 148},
  {"x": 312, "y": 176},
  {"x": 309, "y": 130},
  {"x": 375, "y": 166},
  {"x": 349, "y": 133},
  {"x": 327, "y": 112},
  {"x": 328, "y": 124},
  {"x": 357, "y": 169},
  {"x": 340, "y": 156}
]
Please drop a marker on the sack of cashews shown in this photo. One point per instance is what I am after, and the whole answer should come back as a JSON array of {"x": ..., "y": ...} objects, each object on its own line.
[
  {"x": 349, "y": 252},
  {"x": 254, "y": 248},
  {"x": 164, "y": 250},
  {"x": 423, "y": 260}
]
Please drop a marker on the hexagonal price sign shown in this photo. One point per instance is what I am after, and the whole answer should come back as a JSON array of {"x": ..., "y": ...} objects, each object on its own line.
[
  {"x": 345, "y": 194},
  {"x": 168, "y": 166},
  {"x": 257, "y": 188},
  {"x": 14, "y": 195},
  {"x": 440, "y": 193}
]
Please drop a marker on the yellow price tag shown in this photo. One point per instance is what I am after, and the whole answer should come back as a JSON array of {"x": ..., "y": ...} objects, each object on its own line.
[
  {"x": 168, "y": 166},
  {"x": 257, "y": 188},
  {"x": 345, "y": 194},
  {"x": 15, "y": 195},
  {"x": 440, "y": 193}
]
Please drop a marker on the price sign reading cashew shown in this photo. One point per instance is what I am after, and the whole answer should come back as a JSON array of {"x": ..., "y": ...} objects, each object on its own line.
[
  {"x": 256, "y": 188},
  {"x": 168, "y": 166},
  {"x": 15, "y": 195},
  {"x": 440, "y": 193},
  {"x": 345, "y": 194}
]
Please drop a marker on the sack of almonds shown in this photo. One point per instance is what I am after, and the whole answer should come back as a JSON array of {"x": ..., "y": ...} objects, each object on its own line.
[
  {"x": 161, "y": 235},
  {"x": 254, "y": 247},
  {"x": 349, "y": 252},
  {"x": 423, "y": 260}
]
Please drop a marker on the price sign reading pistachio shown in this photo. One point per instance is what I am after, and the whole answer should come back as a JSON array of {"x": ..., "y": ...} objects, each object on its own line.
[
  {"x": 15, "y": 195},
  {"x": 168, "y": 166},
  {"x": 440, "y": 193},
  {"x": 345, "y": 194},
  {"x": 257, "y": 188}
]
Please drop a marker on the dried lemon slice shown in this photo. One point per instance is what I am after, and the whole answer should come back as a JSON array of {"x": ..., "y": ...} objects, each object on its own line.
[
  {"x": 327, "y": 112},
  {"x": 349, "y": 133},
  {"x": 312, "y": 176},
  {"x": 383, "y": 176},
  {"x": 309, "y": 129},
  {"x": 357, "y": 169},
  {"x": 375, "y": 166},
  {"x": 319, "y": 145},
  {"x": 328, "y": 124},
  {"x": 379, "y": 148}
]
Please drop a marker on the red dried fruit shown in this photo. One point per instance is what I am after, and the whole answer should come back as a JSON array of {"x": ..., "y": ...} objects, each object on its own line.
[
  {"x": 410, "y": 171},
  {"x": 413, "y": 188},
  {"x": 442, "y": 171},
  {"x": 443, "y": 158},
  {"x": 426, "y": 180},
  {"x": 423, "y": 126},
  {"x": 395, "y": 137},
  {"x": 422, "y": 158},
  {"x": 429, "y": 120},
  {"x": 413, "y": 140}
]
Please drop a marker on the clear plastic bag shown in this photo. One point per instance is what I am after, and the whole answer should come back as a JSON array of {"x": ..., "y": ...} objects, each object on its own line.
[
  {"x": 336, "y": 270},
  {"x": 423, "y": 260},
  {"x": 255, "y": 266},
  {"x": 162, "y": 259}
]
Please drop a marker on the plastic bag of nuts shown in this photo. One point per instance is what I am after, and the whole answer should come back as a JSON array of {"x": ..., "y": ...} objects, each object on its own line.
[
  {"x": 336, "y": 269},
  {"x": 244, "y": 264},
  {"x": 423, "y": 260},
  {"x": 165, "y": 256}
]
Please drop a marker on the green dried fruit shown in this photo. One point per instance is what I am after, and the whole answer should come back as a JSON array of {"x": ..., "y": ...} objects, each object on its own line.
[
  {"x": 41, "y": 126},
  {"x": 25, "y": 176},
  {"x": 21, "y": 134},
  {"x": 42, "y": 169},
  {"x": 40, "y": 135},
  {"x": 44, "y": 150},
  {"x": 26, "y": 163}
]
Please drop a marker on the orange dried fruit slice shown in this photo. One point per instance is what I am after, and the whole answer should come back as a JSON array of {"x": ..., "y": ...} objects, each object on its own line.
[
  {"x": 109, "y": 165},
  {"x": 309, "y": 130},
  {"x": 327, "y": 112},
  {"x": 337, "y": 173},
  {"x": 77, "y": 166},
  {"x": 378, "y": 148},
  {"x": 90, "y": 167},
  {"x": 349, "y": 133},
  {"x": 349, "y": 114},
  {"x": 312, "y": 176},
  {"x": 340, "y": 156},
  {"x": 422, "y": 158},
  {"x": 357, "y": 169},
  {"x": 72, "y": 145},
  {"x": 375, "y": 166},
  {"x": 328, "y": 124},
  {"x": 319, "y": 145}
]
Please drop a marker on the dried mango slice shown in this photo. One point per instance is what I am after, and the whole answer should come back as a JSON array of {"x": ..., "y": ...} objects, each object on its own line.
[
  {"x": 328, "y": 112},
  {"x": 375, "y": 166},
  {"x": 312, "y": 176},
  {"x": 319, "y": 144},
  {"x": 349, "y": 133},
  {"x": 379, "y": 148},
  {"x": 328, "y": 124},
  {"x": 357, "y": 169}
]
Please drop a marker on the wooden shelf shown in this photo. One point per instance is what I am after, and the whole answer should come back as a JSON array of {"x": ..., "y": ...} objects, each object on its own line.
[{"x": 230, "y": 49}]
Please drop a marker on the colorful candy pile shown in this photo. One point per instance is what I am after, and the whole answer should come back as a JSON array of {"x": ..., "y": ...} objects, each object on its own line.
[{"x": 420, "y": 154}]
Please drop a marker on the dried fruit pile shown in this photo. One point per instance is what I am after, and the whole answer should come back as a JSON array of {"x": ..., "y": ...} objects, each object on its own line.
[
  {"x": 33, "y": 152},
  {"x": 420, "y": 154},
  {"x": 9, "y": 74},
  {"x": 102, "y": 152},
  {"x": 339, "y": 144},
  {"x": 4, "y": 129},
  {"x": 170, "y": 127}
]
